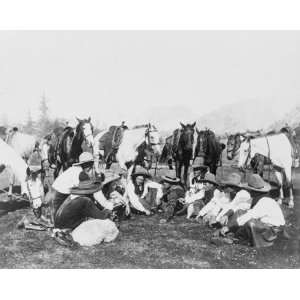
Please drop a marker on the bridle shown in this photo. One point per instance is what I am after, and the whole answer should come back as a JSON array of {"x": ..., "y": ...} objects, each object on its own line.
[{"x": 148, "y": 136}]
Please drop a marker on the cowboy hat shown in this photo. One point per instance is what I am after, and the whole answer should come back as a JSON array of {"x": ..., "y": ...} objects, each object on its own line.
[
  {"x": 140, "y": 171},
  {"x": 200, "y": 168},
  {"x": 171, "y": 180},
  {"x": 110, "y": 178},
  {"x": 86, "y": 187},
  {"x": 85, "y": 157},
  {"x": 35, "y": 168},
  {"x": 209, "y": 178},
  {"x": 256, "y": 183},
  {"x": 234, "y": 179}
]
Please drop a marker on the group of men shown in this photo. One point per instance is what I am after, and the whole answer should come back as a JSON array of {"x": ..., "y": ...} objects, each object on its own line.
[{"x": 239, "y": 212}]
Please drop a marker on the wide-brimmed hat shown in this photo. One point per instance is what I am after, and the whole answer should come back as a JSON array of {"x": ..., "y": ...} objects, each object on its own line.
[
  {"x": 86, "y": 187},
  {"x": 256, "y": 183},
  {"x": 172, "y": 180},
  {"x": 35, "y": 168},
  {"x": 200, "y": 168},
  {"x": 233, "y": 180},
  {"x": 85, "y": 157},
  {"x": 140, "y": 171},
  {"x": 110, "y": 178},
  {"x": 209, "y": 178}
]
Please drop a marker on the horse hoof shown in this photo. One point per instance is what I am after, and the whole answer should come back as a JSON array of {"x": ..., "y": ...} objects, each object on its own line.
[
  {"x": 279, "y": 201},
  {"x": 291, "y": 205}
]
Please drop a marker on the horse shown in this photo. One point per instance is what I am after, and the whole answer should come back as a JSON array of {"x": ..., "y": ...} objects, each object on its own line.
[
  {"x": 166, "y": 155},
  {"x": 233, "y": 145},
  {"x": 209, "y": 148},
  {"x": 66, "y": 144},
  {"x": 11, "y": 160},
  {"x": 135, "y": 146},
  {"x": 181, "y": 144},
  {"x": 278, "y": 149},
  {"x": 24, "y": 144},
  {"x": 108, "y": 143}
]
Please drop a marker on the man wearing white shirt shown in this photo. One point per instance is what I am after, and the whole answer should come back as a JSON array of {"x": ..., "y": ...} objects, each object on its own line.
[{"x": 65, "y": 208}]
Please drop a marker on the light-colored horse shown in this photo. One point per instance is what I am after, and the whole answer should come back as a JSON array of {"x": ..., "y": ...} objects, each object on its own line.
[
  {"x": 24, "y": 144},
  {"x": 15, "y": 165},
  {"x": 278, "y": 148},
  {"x": 133, "y": 138}
]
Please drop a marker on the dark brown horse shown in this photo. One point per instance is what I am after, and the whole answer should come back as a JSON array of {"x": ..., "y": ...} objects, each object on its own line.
[
  {"x": 209, "y": 148},
  {"x": 179, "y": 147},
  {"x": 66, "y": 144}
]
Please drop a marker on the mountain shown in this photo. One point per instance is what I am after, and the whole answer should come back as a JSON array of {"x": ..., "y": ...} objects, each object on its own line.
[
  {"x": 246, "y": 115},
  {"x": 292, "y": 118},
  {"x": 230, "y": 118}
]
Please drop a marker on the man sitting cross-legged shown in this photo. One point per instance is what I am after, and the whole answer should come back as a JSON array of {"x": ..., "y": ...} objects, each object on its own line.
[{"x": 69, "y": 212}]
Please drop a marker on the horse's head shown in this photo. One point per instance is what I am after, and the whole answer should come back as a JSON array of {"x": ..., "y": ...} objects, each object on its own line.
[
  {"x": 187, "y": 136},
  {"x": 201, "y": 142},
  {"x": 84, "y": 131},
  {"x": 233, "y": 145},
  {"x": 3, "y": 133},
  {"x": 153, "y": 139},
  {"x": 244, "y": 153}
]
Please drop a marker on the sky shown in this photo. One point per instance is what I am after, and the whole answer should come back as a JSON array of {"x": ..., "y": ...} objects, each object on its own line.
[{"x": 114, "y": 75}]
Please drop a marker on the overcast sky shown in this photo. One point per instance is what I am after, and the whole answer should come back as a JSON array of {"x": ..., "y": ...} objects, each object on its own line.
[{"x": 113, "y": 75}]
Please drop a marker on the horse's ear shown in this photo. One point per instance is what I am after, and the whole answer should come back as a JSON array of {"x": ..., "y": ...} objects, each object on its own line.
[
  {"x": 182, "y": 125},
  {"x": 89, "y": 119},
  {"x": 194, "y": 124},
  {"x": 78, "y": 119}
]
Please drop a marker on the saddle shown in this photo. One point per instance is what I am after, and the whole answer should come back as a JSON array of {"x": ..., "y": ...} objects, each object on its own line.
[{"x": 175, "y": 140}]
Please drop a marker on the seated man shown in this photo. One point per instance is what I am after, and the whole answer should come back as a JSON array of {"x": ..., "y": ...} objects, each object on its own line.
[
  {"x": 112, "y": 198},
  {"x": 242, "y": 200},
  {"x": 200, "y": 193},
  {"x": 260, "y": 224},
  {"x": 69, "y": 212},
  {"x": 142, "y": 193},
  {"x": 173, "y": 197},
  {"x": 197, "y": 174}
]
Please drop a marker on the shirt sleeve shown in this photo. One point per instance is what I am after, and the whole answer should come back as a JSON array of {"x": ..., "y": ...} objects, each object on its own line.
[
  {"x": 100, "y": 198},
  {"x": 242, "y": 220},
  {"x": 133, "y": 198}
]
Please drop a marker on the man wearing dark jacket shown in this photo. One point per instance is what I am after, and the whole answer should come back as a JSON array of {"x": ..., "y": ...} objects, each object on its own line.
[{"x": 173, "y": 197}]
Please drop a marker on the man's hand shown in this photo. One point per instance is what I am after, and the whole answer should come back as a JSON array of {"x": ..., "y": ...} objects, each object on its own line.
[{"x": 224, "y": 220}]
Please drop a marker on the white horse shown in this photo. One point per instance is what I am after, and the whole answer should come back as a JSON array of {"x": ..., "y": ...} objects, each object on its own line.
[
  {"x": 278, "y": 148},
  {"x": 23, "y": 143},
  {"x": 133, "y": 138},
  {"x": 15, "y": 165}
]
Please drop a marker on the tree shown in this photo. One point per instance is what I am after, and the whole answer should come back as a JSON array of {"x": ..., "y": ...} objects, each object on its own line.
[
  {"x": 29, "y": 125},
  {"x": 44, "y": 121}
]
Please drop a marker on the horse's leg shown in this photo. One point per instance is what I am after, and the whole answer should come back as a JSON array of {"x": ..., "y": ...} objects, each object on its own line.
[
  {"x": 170, "y": 164},
  {"x": 288, "y": 175},
  {"x": 279, "y": 177},
  {"x": 178, "y": 168},
  {"x": 186, "y": 168}
]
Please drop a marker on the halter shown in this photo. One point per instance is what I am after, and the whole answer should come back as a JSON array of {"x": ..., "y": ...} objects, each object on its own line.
[
  {"x": 248, "y": 155},
  {"x": 147, "y": 136}
]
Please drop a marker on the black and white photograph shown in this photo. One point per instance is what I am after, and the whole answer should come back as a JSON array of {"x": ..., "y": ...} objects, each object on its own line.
[{"x": 149, "y": 149}]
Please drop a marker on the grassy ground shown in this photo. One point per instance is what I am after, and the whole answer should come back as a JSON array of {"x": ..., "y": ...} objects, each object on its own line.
[{"x": 142, "y": 243}]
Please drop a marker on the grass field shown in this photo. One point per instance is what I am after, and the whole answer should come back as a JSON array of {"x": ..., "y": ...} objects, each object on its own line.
[{"x": 142, "y": 243}]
